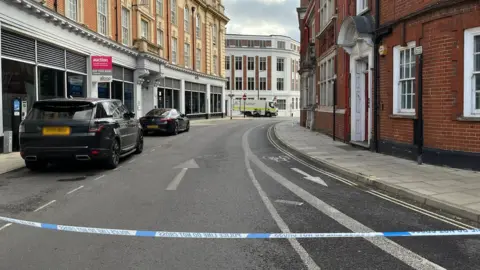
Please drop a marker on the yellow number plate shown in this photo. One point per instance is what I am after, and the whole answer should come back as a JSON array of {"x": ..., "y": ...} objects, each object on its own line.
[
  {"x": 56, "y": 131},
  {"x": 152, "y": 126}
]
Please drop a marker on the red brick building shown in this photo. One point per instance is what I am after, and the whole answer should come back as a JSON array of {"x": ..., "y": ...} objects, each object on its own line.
[{"x": 407, "y": 77}]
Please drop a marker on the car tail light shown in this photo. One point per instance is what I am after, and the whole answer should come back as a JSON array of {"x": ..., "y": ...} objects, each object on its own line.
[
  {"x": 95, "y": 152},
  {"x": 95, "y": 127}
]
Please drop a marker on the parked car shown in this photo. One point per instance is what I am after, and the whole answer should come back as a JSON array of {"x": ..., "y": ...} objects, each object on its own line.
[
  {"x": 82, "y": 129},
  {"x": 165, "y": 120}
]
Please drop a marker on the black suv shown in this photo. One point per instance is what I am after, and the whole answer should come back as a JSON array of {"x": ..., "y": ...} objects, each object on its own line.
[{"x": 79, "y": 129}]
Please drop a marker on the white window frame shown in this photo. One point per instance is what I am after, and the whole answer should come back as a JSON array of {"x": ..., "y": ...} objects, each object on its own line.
[
  {"x": 101, "y": 14},
  {"x": 144, "y": 32},
  {"x": 262, "y": 80},
  {"x": 159, "y": 8},
  {"x": 173, "y": 11},
  {"x": 186, "y": 55},
  {"x": 251, "y": 82},
  {"x": 160, "y": 37},
  {"x": 281, "y": 81},
  {"x": 174, "y": 50},
  {"x": 186, "y": 20},
  {"x": 284, "y": 104},
  {"x": 470, "y": 73},
  {"x": 125, "y": 26},
  {"x": 238, "y": 67},
  {"x": 214, "y": 64},
  {"x": 281, "y": 45},
  {"x": 326, "y": 80},
  {"x": 397, "y": 98},
  {"x": 214, "y": 34},
  {"x": 227, "y": 62},
  {"x": 239, "y": 80},
  {"x": 362, "y": 6},
  {"x": 263, "y": 62},
  {"x": 198, "y": 22},
  {"x": 198, "y": 57},
  {"x": 327, "y": 11},
  {"x": 72, "y": 8},
  {"x": 282, "y": 64},
  {"x": 312, "y": 30},
  {"x": 252, "y": 62}
]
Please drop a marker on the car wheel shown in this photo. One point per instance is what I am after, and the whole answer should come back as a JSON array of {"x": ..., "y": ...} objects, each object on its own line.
[
  {"x": 175, "y": 129},
  {"x": 114, "y": 157},
  {"x": 268, "y": 114},
  {"x": 36, "y": 165},
  {"x": 188, "y": 127},
  {"x": 139, "y": 148}
]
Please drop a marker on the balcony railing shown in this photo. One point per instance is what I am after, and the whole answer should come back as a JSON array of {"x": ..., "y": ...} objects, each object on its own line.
[{"x": 143, "y": 45}]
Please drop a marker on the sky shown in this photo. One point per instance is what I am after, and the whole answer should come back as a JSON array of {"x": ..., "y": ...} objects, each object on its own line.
[{"x": 263, "y": 17}]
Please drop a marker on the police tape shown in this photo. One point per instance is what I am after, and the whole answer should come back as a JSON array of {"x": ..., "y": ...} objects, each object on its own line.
[{"x": 165, "y": 234}]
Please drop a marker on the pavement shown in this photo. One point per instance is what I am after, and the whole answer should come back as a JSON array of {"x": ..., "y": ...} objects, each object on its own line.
[
  {"x": 11, "y": 161},
  {"x": 228, "y": 177},
  {"x": 454, "y": 191}
]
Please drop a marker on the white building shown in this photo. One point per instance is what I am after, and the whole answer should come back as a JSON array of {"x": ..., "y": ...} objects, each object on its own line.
[{"x": 263, "y": 67}]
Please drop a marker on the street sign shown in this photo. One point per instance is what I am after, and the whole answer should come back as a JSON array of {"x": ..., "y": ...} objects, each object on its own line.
[
  {"x": 418, "y": 50},
  {"x": 244, "y": 97}
]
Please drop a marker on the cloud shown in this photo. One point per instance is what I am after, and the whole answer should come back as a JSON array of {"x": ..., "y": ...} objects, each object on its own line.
[{"x": 262, "y": 17}]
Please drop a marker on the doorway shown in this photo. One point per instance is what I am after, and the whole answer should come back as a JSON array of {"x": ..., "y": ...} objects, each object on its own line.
[{"x": 361, "y": 102}]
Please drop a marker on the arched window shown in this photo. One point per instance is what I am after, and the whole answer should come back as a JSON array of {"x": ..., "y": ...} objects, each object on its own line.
[
  {"x": 197, "y": 26},
  {"x": 186, "y": 20}
]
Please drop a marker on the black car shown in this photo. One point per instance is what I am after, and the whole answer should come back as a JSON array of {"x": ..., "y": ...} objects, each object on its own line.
[
  {"x": 165, "y": 120},
  {"x": 102, "y": 130}
]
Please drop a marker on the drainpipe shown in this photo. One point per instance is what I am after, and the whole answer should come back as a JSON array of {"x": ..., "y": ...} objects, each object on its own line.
[
  {"x": 167, "y": 49},
  {"x": 420, "y": 111},
  {"x": 376, "y": 60},
  {"x": 116, "y": 20},
  {"x": 194, "y": 40}
]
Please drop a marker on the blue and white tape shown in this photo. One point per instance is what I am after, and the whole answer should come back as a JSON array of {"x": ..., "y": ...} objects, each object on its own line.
[{"x": 164, "y": 234}]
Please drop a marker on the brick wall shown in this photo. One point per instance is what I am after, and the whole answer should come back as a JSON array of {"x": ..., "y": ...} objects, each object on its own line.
[
  {"x": 244, "y": 66},
  {"x": 257, "y": 72},
  {"x": 324, "y": 124},
  {"x": 441, "y": 35},
  {"x": 269, "y": 73}
]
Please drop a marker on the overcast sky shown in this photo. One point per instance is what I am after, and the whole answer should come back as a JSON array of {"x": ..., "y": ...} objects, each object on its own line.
[{"x": 262, "y": 17}]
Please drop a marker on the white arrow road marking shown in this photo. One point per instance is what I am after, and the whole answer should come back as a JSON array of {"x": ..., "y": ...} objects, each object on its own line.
[
  {"x": 189, "y": 164},
  {"x": 314, "y": 179}
]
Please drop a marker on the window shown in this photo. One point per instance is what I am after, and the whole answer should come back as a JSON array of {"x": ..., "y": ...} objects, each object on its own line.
[
  {"x": 186, "y": 55},
  {"x": 263, "y": 63},
  {"x": 160, "y": 37},
  {"x": 251, "y": 83},
  {"x": 362, "y": 5},
  {"x": 327, "y": 76},
  {"x": 471, "y": 98},
  {"x": 174, "y": 50},
  {"x": 251, "y": 63},
  {"x": 280, "y": 84},
  {"x": 198, "y": 57},
  {"x": 186, "y": 24},
  {"x": 73, "y": 10},
  {"x": 263, "y": 83},
  {"x": 125, "y": 26},
  {"x": 281, "y": 104},
  {"x": 197, "y": 26},
  {"x": 404, "y": 79},
  {"x": 102, "y": 17},
  {"x": 327, "y": 10},
  {"x": 238, "y": 83},
  {"x": 214, "y": 34},
  {"x": 227, "y": 83},
  {"x": 173, "y": 10},
  {"x": 281, "y": 44},
  {"x": 144, "y": 29},
  {"x": 238, "y": 63},
  {"x": 280, "y": 64},
  {"x": 296, "y": 103},
  {"x": 214, "y": 65},
  {"x": 160, "y": 8},
  {"x": 227, "y": 62},
  {"x": 312, "y": 30}
]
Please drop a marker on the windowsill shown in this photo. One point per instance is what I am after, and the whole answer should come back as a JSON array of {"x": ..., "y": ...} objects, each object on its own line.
[
  {"x": 326, "y": 25},
  {"x": 403, "y": 116},
  {"x": 469, "y": 118}
]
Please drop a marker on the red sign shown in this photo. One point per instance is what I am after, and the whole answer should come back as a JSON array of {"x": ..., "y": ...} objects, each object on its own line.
[
  {"x": 101, "y": 63},
  {"x": 244, "y": 96}
]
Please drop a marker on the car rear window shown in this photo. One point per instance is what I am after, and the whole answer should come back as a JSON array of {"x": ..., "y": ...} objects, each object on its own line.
[
  {"x": 61, "y": 111},
  {"x": 158, "y": 113}
]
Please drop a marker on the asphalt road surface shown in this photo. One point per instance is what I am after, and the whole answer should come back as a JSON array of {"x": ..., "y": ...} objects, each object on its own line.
[{"x": 222, "y": 176}]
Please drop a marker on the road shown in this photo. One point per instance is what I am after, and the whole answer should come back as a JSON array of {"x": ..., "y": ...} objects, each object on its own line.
[{"x": 223, "y": 177}]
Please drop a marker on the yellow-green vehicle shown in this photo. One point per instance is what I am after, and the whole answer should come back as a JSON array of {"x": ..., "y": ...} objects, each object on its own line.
[{"x": 256, "y": 108}]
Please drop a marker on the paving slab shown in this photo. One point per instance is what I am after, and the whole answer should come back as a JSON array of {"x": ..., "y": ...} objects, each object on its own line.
[
  {"x": 452, "y": 190},
  {"x": 10, "y": 162}
]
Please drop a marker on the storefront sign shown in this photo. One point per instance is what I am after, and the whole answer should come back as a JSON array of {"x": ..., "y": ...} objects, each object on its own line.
[{"x": 102, "y": 68}]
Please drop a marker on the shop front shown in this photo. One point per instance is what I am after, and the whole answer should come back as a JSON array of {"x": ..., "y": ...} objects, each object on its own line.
[
  {"x": 195, "y": 100},
  {"x": 216, "y": 101},
  {"x": 168, "y": 93},
  {"x": 121, "y": 87}
]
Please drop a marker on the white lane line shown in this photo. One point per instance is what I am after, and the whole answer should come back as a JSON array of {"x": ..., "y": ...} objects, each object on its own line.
[
  {"x": 5, "y": 226},
  {"x": 153, "y": 150},
  {"x": 101, "y": 176},
  {"x": 113, "y": 169},
  {"x": 176, "y": 181},
  {"x": 401, "y": 253},
  {"x": 133, "y": 160},
  {"x": 304, "y": 256},
  {"x": 75, "y": 189},
  {"x": 43, "y": 206},
  {"x": 289, "y": 202}
]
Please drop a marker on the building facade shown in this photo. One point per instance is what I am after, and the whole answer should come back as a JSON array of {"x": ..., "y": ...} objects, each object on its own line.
[
  {"x": 263, "y": 68},
  {"x": 165, "y": 53},
  {"x": 406, "y": 76}
]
